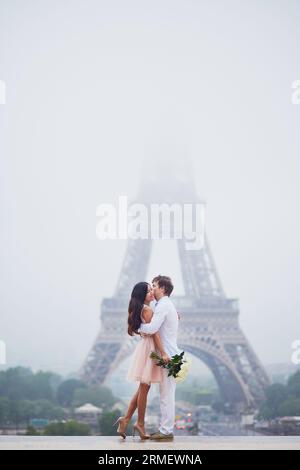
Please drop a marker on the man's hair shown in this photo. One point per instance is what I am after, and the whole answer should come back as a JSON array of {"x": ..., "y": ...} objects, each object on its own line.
[{"x": 165, "y": 282}]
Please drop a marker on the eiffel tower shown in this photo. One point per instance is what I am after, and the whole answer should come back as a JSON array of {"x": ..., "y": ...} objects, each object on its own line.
[{"x": 209, "y": 321}]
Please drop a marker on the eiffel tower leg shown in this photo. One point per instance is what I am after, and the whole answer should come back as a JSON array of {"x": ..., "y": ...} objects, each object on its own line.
[
  {"x": 249, "y": 368},
  {"x": 134, "y": 267},
  {"x": 99, "y": 360},
  {"x": 231, "y": 385},
  {"x": 230, "y": 388}
]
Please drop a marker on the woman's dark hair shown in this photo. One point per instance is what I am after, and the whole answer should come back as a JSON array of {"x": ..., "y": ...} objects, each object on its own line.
[{"x": 135, "y": 306}]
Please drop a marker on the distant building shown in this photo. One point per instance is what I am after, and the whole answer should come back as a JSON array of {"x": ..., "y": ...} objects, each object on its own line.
[
  {"x": 247, "y": 419},
  {"x": 88, "y": 414}
]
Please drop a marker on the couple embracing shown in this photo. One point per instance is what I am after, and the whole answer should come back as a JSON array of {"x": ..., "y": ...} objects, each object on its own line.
[{"x": 152, "y": 316}]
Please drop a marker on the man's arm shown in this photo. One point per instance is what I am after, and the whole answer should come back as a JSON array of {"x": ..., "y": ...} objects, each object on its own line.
[{"x": 156, "y": 322}]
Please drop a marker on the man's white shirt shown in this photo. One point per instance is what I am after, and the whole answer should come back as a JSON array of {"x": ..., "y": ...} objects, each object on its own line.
[{"x": 165, "y": 321}]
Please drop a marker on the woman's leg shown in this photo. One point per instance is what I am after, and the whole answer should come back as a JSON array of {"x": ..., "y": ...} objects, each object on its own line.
[
  {"x": 142, "y": 403},
  {"x": 132, "y": 407}
]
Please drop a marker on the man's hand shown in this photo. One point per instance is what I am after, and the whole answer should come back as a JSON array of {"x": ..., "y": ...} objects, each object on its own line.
[{"x": 165, "y": 357}]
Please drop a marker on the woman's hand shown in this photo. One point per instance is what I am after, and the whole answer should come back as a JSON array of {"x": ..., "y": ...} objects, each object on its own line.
[{"x": 165, "y": 357}]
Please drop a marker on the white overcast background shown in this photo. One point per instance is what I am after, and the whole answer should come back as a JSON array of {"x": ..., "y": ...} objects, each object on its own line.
[{"x": 96, "y": 88}]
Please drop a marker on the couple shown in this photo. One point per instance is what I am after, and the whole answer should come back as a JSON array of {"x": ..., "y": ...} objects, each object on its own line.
[{"x": 158, "y": 332}]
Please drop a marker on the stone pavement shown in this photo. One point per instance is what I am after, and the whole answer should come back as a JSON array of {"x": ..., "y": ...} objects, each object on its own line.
[{"x": 179, "y": 443}]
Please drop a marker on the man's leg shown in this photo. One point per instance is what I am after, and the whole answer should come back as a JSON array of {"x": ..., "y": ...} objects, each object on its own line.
[{"x": 167, "y": 403}]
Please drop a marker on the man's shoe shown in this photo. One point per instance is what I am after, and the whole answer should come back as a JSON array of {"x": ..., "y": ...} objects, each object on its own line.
[{"x": 160, "y": 436}]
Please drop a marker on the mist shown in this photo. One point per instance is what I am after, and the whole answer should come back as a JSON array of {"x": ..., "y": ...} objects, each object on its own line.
[{"x": 99, "y": 96}]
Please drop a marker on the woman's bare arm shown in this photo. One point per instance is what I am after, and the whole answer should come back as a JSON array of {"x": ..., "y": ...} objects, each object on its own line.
[{"x": 158, "y": 343}]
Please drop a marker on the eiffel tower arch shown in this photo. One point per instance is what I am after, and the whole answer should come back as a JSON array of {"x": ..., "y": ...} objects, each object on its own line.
[{"x": 209, "y": 321}]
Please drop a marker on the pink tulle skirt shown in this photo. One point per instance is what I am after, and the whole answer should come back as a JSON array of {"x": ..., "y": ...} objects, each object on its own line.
[{"x": 143, "y": 368}]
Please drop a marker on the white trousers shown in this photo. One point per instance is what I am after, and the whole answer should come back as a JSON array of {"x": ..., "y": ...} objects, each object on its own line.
[{"x": 167, "y": 403}]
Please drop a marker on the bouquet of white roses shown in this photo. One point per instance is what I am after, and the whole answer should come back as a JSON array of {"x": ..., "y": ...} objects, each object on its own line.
[{"x": 178, "y": 366}]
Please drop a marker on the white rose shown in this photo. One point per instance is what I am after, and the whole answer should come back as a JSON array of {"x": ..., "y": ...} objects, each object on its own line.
[{"x": 181, "y": 375}]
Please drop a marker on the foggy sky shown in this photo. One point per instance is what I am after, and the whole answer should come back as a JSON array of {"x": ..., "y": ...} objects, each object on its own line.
[{"x": 96, "y": 88}]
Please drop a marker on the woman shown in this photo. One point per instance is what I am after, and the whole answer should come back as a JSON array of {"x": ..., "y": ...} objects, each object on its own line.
[{"x": 142, "y": 369}]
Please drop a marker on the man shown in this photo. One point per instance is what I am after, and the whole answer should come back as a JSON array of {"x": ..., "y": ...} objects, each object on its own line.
[{"x": 165, "y": 321}]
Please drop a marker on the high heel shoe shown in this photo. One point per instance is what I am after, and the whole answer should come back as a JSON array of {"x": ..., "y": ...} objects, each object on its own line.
[
  {"x": 139, "y": 430},
  {"x": 119, "y": 421}
]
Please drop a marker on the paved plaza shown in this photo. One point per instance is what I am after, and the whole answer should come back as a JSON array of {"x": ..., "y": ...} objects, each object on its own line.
[{"x": 179, "y": 443}]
